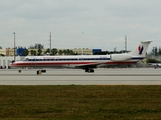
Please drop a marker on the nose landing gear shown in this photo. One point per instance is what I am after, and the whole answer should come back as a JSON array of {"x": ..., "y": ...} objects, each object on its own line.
[
  {"x": 89, "y": 70},
  {"x": 19, "y": 70}
]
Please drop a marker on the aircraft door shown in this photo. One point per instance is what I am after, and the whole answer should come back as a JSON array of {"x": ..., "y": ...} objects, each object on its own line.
[{"x": 33, "y": 61}]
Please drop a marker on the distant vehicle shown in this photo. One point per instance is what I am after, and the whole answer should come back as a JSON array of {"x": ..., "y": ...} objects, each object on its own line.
[
  {"x": 155, "y": 65},
  {"x": 86, "y": 62}
]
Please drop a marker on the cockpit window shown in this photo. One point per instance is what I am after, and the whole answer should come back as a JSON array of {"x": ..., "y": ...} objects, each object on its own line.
[{"x": 24, "y": 59}]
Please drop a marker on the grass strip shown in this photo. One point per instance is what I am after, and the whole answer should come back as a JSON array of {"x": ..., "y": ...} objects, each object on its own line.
[{"x": 76, "y": 102}]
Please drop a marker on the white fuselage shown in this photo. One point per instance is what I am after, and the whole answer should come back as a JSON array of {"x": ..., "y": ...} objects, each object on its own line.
[{"x": 78, "y": 61}]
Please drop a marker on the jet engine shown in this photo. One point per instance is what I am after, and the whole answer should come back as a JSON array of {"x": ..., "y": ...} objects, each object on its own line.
[{"x": 120, "y": 57}]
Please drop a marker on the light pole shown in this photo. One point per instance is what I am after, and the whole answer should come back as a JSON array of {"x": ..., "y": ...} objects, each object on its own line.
[
  {"x": 14, "y": 46},
  {"x": 125, "y": 43},
  {"x": 82, "y": 40},
  {"x": 50, "y": 43}
]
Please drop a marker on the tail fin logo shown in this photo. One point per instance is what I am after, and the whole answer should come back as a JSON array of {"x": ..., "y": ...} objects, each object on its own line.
[{"x": 140, "y": 49}]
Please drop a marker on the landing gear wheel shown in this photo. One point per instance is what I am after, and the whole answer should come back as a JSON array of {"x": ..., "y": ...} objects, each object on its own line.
[
  {"x": 92, "y": 71},
  {"x": 19, "y": 70},
  {"x": 89, "y": 70}
]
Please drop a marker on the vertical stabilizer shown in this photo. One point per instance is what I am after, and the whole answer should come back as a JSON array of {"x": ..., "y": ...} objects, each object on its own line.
[{"x": 141, "y": 49}]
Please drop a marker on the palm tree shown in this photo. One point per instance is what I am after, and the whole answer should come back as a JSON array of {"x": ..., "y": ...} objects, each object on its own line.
[
  {"x": 65, "y": 52},
  {"x": 71, "y": 52},
  {"x": 54, "y": 51},
  {"x": 60, "y": 52},
  {"x": 33, "y": 52},
  {"x": 47, "y": 51},
  {"x": 39, "y": 52}
]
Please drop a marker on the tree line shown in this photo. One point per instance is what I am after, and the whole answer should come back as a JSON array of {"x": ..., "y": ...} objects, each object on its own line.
[
  {"x": 53, "y": 51},
  {"x": 39, "y": 51},
  {"x": 156, "y": 51}
]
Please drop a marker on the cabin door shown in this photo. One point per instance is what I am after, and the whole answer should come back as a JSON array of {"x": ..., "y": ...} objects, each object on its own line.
[{"x": 33, "y": 61}]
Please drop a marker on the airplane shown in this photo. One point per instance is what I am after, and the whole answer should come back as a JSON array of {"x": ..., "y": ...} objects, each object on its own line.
[{"x": 85, "y": 62}]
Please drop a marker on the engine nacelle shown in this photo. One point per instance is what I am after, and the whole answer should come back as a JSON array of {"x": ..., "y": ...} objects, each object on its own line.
[{"x": 120, "y": 57}]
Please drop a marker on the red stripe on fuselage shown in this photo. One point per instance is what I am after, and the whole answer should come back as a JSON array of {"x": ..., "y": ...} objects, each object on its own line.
[
  {"x": 29, "y": 64},
  {"x": 23, "y": 64}
]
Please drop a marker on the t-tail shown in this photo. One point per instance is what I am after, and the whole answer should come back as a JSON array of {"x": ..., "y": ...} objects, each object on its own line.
[{"x": 141, "y": 49}]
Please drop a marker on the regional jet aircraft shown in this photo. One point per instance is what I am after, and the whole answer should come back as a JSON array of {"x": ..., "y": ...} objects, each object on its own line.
[{"x": 86, "y": 62}]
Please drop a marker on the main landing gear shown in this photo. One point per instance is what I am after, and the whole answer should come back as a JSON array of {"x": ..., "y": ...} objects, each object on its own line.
[
  {"x": 89, "y": 70},
  {"x": 40, "y": 71}
]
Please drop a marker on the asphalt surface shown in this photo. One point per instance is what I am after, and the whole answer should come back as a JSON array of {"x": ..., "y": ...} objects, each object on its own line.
[{"x": 102, "y": 76}]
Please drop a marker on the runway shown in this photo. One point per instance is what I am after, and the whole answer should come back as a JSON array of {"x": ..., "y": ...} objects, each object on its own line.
[{"x": 102, "y": 76}]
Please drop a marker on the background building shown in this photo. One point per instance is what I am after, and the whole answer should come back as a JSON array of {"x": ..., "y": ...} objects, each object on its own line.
[
  {"x": 19, "y": 51},
  {"x": 2, "y": 52},
  {"x": 6, "y": 61}
]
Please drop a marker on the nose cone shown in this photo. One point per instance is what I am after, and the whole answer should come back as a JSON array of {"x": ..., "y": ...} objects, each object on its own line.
[
  {"x": 13, "y": 61},
  {"x": 18, "y": 64},
  {"x": 13, "y": 64}
]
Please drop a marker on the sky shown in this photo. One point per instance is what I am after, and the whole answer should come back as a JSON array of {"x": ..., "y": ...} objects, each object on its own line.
[{"x": 80, "y": 23}]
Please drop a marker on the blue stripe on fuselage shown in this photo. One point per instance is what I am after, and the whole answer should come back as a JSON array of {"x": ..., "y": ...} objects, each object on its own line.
[
  {"x": 78, "y": 59},
  {"x": 137, "y": 58}
]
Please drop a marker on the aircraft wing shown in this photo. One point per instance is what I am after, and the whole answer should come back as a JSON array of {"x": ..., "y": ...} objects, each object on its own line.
[{"x": 91, "y": 65}]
